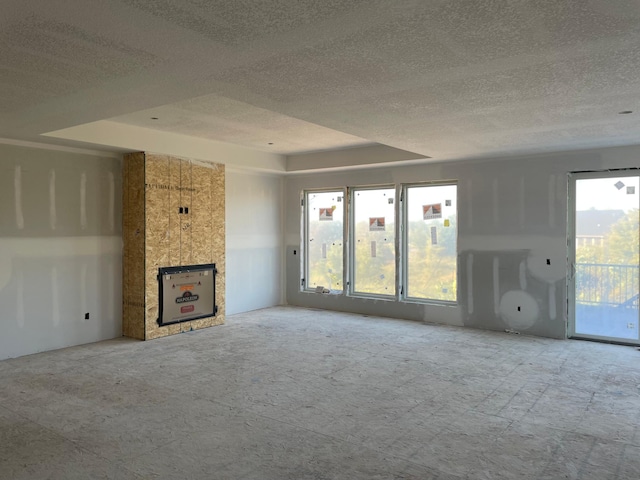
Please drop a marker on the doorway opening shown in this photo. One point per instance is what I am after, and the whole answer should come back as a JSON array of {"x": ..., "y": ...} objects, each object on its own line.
[{"x": 604, "y": 259}]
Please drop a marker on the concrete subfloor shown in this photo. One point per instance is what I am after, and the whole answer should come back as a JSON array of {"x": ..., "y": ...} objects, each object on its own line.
[{"x": 290, "y": 393}]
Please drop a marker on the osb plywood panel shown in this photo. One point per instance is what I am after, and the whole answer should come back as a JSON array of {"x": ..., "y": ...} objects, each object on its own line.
[
  {"x": 186, "y": 222},
  {"x": 133, "y": 202},
  {"x": 158, "y": 241},
  {"x": 175, "y": 218},
  {"x": 218, "y": 233},
  {"x": 199, "y": 225},
  {"x": 201, "y": 215},
  {"x": 182, "y": 239},
  {"x": 215, "y": 241}
]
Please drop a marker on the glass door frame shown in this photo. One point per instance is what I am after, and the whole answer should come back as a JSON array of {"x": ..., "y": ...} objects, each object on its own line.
[{"x": 573, "y": 177}]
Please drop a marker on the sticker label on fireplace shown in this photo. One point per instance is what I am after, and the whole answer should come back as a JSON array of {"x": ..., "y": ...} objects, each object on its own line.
[{"x": 187, "y": 297}]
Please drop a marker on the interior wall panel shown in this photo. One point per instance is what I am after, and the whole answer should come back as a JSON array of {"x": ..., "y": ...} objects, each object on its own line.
[
  {"x": 60, "y": 249},
  {"x": 254, "y": 212}
]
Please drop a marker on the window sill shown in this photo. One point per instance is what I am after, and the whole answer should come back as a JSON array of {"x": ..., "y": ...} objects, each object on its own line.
[
  {"x": 330, "y": 293},
  {"x": 371, "y": 296},
  {"x": 435, "y": 303}
]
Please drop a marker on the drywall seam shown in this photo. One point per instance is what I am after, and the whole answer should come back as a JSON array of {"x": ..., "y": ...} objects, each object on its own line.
[
  {"x": 552, "y": 301},
  {"x": 469, "y": 194},
  {"x": 470, "y": 283},
  {"x": 112, "y": 202},
  {"x": 83, "y": 289},
  {"x": 552, "y": 201},
  {"x": 83, "y": 201},
  {"x": 496, "y": 285},
  {"x": 61, "y": 246},
  {"x": 111, "y": 292},
  {"x": 20, "y": 299},
  {"x": 523, "y": 275},
  {"x": 522, "y": 203},
  {"x": 55, "y": 297},
  {"x": 17, "y": 185},
  {"x": 52, "y": 199},
  {"x": 496, "y": 209}
]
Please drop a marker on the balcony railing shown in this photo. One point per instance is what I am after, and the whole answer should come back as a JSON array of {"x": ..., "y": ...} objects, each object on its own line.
[{"x": 607, "y": 284}]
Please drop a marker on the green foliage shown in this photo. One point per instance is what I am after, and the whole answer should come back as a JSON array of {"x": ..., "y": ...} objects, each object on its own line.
[
  {"x": 620, "y": 245},
  {"x": 623, "y": 240},
  {"x": 590, "y": 254},
  {"x": 375, "y": 275},
  {"x": 326, "y": 272},
  {"x": 431, "y": 269}
]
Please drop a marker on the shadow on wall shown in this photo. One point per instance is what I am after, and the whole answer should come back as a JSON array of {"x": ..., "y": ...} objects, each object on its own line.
[{"x": 512, "y": 290}]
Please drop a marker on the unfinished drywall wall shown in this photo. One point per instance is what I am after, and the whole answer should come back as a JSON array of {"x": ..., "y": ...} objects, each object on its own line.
[
  {"x": 254, "y": 241},
  {"x": 512, "y": 234},
  {"x": 60, "y": 249}
]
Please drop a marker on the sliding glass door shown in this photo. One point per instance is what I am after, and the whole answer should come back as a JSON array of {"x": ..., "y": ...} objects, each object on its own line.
[{"x": 605, "y": 272}]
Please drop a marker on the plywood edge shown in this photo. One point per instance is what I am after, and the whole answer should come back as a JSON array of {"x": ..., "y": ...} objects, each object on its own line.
[{"x": 133, "y": 201}]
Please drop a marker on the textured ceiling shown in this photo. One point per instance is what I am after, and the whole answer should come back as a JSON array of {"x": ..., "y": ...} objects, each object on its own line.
[{"x": 447, "y": 79}]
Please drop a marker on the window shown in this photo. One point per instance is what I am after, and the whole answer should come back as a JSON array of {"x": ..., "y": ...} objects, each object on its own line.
[
  {"x": 405, "y": 251},
  {"x": 430, "y": 237},
  {"x": 373, "y": 241},
  {"x": 324, "y": 240}
]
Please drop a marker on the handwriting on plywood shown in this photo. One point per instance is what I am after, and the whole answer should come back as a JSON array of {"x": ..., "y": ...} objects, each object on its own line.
[{"x": 163, "y": 186}]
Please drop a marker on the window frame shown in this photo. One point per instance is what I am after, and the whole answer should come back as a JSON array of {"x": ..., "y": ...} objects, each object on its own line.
[
  {"x": 351, "y": 238},
  {"x": 304, "y": 251},
  {"x": 404, "y": 242}
]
